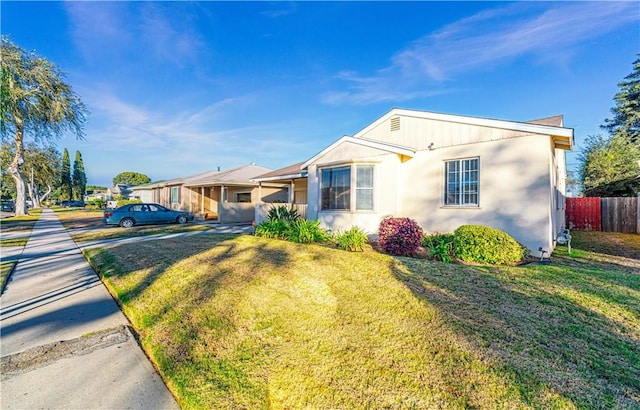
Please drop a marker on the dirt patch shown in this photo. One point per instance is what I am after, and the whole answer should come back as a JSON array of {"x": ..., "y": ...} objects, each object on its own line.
[{"x": 41, "y": 356}]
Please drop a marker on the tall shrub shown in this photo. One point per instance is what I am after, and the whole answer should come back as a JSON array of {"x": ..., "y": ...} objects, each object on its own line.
[{"x": 399, "y": 236}]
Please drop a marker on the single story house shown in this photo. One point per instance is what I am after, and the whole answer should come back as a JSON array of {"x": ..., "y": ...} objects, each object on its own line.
[
  {"x": 226, "y": 196},
  {"x": 442, "y": 170}
]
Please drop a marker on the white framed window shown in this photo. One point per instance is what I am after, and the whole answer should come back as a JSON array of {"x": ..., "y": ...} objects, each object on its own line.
[
  {"x": 364, "y": 187},
  {"x": 175, "y": 194},
  {"x": 347, "y": 188},
  {"x": 462, "y": 182},
  {"x": 336, "y": 188}
]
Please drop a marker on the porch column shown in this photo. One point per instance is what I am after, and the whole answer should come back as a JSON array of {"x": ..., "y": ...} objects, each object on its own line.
[
  {"x": 292, "y": 191},
  {"x": 201, "y": 199}
]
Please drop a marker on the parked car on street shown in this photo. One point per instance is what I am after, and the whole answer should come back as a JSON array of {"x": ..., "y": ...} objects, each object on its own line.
[
  {"x": 142, "y": 214},
  {"x": 7, "y": 206},
  {"x": 72, "y": 204}
]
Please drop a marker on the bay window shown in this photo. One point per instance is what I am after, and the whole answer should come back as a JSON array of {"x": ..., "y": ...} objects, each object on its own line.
[{"x": 339, "y": 185}]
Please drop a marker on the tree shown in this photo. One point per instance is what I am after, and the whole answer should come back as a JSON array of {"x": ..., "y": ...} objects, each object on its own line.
[
  {"x": 66, "y": 186},
  {"x": 43, "y": 164},
  {"x": 36, "y": 102},
  {"x": 130, "y": 178},
  {"x": 626, "y": 113},
  {"x": 79, "y": 181},
  {"x": 610, "y": 166}
]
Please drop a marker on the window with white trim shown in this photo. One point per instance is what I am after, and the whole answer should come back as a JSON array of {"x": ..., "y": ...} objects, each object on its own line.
[
  {"x": 462, "y": 182},
  {"x": 364, "y": 187},
  {"x": 175, "y": 194},
  {"x": 336, "y": 188},
  {"x": 339, "y": 185}
]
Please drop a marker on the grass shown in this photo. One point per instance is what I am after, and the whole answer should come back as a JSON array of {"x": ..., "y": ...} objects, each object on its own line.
[
  {"x": 246, "y": 322},
  {"x": 87, "y": 225},
  {"x": 13, "y": 242},
  {"x": 20, "y": 223},
  {"x": 5, "y": 270}
]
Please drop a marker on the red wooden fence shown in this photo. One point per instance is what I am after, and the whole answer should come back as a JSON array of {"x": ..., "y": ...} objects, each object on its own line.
[{"x": 583, "y": 214}]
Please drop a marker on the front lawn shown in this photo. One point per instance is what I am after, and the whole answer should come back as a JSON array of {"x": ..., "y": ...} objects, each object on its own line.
[{"x": 246, "y": 322}]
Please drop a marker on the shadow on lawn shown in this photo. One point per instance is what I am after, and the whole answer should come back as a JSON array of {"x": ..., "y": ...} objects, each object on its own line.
[
  {"x": 537, "y": 337},
  {"x": 157, "y": 257}
]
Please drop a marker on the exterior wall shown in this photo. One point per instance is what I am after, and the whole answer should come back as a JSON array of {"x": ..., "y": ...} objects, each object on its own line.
[
  {"x": 514, "y": 189},
  {"x": 514, "y": 194},
  {"x": 386, "y": 188},
  {"x": 145, "y": 195},
  {"x": 419, "y": 133},
  {"x": 229, "y": 212},
  {"x": 558, "y": 191},
  {"x": 272, "y": 195}
]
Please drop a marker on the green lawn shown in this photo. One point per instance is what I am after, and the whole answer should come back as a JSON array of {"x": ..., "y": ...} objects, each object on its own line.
[{"x": 245, "y": 322}]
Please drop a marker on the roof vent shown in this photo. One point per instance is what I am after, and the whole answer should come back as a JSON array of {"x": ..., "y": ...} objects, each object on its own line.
[{"x": 395, "y": 124}]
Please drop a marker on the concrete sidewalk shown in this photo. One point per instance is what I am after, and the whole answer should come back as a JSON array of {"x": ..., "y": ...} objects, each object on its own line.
[{"x": 64, "y": 343}]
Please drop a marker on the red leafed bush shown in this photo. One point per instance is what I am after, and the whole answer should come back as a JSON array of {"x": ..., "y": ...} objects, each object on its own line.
[{"x": 399, "y": 236}]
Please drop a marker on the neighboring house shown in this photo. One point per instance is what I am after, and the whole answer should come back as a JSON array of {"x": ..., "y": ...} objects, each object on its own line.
[
  {"x": 226, "y": 196},
  {"x": 443, "y": 171},
  {"x": 121, "y": 191}
]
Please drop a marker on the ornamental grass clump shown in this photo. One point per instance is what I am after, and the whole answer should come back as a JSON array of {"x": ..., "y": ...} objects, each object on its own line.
[
  {"x": 399, "y": 236},
  {"x": 352, "y": 240},
  {"x": 278, "y": 223},
  {"x": 483, "y": 244},
  {"x": 306, "y": 231},
  {"x": 440, "y": 246}
]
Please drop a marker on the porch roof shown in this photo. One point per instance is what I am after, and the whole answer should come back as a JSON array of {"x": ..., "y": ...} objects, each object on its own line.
[
  {"x": 241, "y": 176},
  {"x": 287, "y": 173}
]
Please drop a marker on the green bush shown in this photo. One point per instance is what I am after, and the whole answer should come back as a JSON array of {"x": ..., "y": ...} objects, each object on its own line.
[
  {"x": 122, "y": 202},
  {"x": 273, "y": 228},
  {"x": 305, "y": 231},
  {"x": 96, "y": 204},
  {"x": 352, "y": 240},
  {"x": 483, "y": 244},
  {"x": 282, "y": 213},
  {"x": 440, "y": 246}
]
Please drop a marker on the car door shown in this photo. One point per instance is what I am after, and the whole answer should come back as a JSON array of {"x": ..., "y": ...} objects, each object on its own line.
[
  {"x": 138, "y": 213},
  {"x": 159, "y": 214}
]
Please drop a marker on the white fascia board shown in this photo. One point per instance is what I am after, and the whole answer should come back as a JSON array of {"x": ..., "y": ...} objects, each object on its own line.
[
  {"x": 280, "y": 177},
  {"x": 396, "y": 149}
]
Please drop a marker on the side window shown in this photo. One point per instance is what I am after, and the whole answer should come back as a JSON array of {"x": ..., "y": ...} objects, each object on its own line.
[
  {"x": 364, "y": 187},
  {"x": 462, "y": 182},
  {"x": 153, "y": 208},
  {"x": 175, "y": 195},
  {"x": 136, "y": 208}
]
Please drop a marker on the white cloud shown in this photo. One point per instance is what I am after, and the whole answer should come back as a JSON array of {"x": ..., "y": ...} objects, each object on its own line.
[{"x": 484, "y": 40}]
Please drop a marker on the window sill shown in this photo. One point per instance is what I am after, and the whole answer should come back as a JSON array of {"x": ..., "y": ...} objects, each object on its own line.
[{"x": 460, "y": 207}]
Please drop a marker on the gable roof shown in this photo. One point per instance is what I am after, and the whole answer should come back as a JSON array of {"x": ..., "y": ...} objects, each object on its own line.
[
  {"x": 289, "y": 172},
  {"x": 555, "y": 121},
  {"x": 562, "y": 137},
  {"x": 383, "y": 146},
  {"x": 236, "y": 176}
]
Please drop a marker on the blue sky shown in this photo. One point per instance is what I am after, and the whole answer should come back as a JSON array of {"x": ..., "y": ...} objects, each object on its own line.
[{"x": 177, "y": 88}]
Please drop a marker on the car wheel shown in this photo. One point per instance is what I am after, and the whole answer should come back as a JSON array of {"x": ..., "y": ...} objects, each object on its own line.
[
  {"x": 182, "y": 219},
  {"x": 127, "y": 223}
]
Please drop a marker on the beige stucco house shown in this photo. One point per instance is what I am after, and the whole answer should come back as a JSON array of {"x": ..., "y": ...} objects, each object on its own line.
[
  {"x": 226, "y": 196},
  {"x": 443, "y": 171}
]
